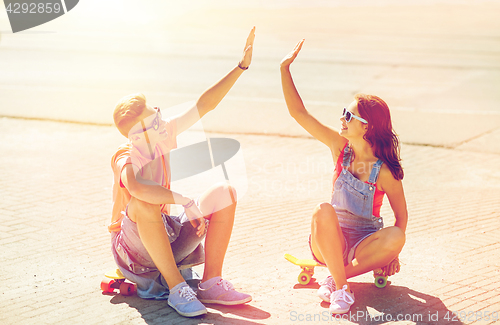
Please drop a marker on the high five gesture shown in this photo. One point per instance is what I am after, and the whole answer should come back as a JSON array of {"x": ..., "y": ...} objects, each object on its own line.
[{"x": 247, "y": 52}]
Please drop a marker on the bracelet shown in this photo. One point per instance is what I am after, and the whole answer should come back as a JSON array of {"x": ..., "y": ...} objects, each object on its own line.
[
  {"x": 190, "y": 204},
  {"x": 242, "y": 68}
]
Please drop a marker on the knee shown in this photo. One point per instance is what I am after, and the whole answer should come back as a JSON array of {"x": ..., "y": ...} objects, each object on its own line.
[
  {"x": 394, "y": 239},
  {"x": 220, "y": 196},
  {"x": 324, "y": 213},
  {"x": 138, "y": 208},
  {"x": 231, "y": 190},
  {"x": 226, "y": 191}
]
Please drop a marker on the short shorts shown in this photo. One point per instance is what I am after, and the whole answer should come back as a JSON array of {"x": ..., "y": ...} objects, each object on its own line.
[
  {"x": 137, "y": 265},
  {"x": 353, "y": 237}
]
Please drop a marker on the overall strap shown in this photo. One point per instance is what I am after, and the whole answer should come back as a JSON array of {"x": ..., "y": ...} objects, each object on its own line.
[
  {"x": 347, "y": 157},
  {"x": 375, "y": 172}
]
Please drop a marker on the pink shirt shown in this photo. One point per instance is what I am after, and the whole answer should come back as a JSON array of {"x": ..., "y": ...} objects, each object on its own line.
[{"x": 127, "y": 154}]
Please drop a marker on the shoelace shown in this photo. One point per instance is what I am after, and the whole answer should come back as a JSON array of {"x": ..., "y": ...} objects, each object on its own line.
[
  {"x": 328, "y": 282},
  {"x": 225, "y": 284},
  {"x": 341, "y": 294},
  {"x": 188, "y": 293}
]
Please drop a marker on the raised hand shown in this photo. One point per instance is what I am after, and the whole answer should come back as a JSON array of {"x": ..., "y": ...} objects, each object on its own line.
[
  {"x": 290, "y": 57},
  {"x": 247, "y": 51}
]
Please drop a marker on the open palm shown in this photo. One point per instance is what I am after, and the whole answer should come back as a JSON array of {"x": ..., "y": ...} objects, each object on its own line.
[
  {"x": 290, "y": 57},
  {"x": 247, "y": 52}
]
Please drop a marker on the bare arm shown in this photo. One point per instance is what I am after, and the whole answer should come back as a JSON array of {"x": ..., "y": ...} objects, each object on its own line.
[
  {"x": 324, "y": 133},
  {"x": 213, "y": 95},
  {"x": 395, "y": 193},
  {"x": 150, "y": 192},
  {"x": 394, "y": 190}
]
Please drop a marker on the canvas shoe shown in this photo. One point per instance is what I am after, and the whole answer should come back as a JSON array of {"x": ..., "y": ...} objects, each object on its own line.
[
  {"x": 219, "y": 291},
  {"x": 183, "y": 299},
  {"x": 341, "y": 301},
  {"x": 327, "y": 286}
]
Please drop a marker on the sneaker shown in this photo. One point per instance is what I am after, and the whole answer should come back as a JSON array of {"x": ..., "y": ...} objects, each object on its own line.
[
  {"x": 183, "y": 299},
  {"x": 341, "y": 301},
  {"x": 219, "y": 291},
  {"x": 327, "y": 286}
]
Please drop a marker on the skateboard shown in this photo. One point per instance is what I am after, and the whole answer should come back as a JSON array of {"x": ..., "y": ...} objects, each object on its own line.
[
  {"x": 308, "y": 265},
  {"x": 116, "y": 280}
]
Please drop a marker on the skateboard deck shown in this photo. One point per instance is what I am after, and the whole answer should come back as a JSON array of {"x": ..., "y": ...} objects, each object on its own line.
[
  {"x": 116, "y": 280},
  {"x": 308, "y": 265}
]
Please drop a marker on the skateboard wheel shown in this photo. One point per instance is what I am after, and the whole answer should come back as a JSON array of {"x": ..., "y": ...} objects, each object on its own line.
[
  {"x": 380, "y": 281},
  {"x": 106, "y": 285},
  {"x": 127, "y": 289},
  {"x": 304, "y": 278}
]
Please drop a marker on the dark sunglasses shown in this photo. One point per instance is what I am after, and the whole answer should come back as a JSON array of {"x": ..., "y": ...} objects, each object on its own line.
[{"x": 348, "y": 116}]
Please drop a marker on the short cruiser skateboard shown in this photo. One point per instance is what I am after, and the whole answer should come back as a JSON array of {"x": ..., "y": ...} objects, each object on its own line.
[
  {"x": 308, "y": 265},
  {"x": 116, "y": 280}
]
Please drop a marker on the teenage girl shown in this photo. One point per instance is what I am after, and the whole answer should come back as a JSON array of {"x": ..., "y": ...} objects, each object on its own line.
[{"x": 347, "y": 235}]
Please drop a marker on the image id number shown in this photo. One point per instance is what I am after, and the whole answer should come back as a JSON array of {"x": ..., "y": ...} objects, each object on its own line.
[
  {"x": 470, "y": 316},
  {"x": 33, "y": 8}
]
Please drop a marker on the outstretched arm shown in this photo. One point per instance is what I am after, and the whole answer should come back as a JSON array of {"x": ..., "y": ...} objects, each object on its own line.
[
  {"x": 320, "y": 131},
  {"x": 213, "y": 95}
]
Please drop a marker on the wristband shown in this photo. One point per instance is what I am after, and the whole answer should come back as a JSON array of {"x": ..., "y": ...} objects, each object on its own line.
[
  {"x": 242, "y": 68},
  {"x": 188, "y": 205}
]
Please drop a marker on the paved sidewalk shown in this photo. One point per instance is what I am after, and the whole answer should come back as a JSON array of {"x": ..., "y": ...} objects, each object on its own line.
[{"x": 55, "y": 187}]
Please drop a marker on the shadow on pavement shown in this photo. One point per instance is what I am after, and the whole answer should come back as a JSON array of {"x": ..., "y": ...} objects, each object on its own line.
[
  {"x": 311, "y": 285},
  {"x": 158, "y": 312},
  {"x": 245, "y": 311},
  {"x": 395, "y": 303}
]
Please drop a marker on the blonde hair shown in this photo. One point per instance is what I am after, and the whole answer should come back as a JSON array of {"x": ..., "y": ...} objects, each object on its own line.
[{"x": 126, "y": 111}]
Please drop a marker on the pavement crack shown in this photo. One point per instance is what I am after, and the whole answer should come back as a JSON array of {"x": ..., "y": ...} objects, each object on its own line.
[{"x": 477, "y": 136}]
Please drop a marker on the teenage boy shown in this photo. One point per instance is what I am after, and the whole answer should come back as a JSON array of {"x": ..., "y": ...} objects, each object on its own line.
[{"x": 147, "y": 242}]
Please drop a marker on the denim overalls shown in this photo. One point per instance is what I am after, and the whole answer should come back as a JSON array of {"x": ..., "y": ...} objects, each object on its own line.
[{"x": 353, "y": 202}]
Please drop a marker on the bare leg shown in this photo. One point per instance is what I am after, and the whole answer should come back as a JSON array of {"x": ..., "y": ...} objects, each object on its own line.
[
  {"x": 218, "y": 204},
  {"x": 376, "y": 251},
  {"x": 155, "y": 238},
  {"x": 328, "y": 243}
]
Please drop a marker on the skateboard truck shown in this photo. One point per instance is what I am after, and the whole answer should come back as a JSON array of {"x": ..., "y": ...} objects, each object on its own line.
[
  {"x": 307, "y": 266},
  {"x": 116, "y": 280}
]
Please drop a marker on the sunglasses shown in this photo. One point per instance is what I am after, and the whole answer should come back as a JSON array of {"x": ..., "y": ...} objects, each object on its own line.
[
  {"x": 155, "y": 125},
  {"x": 156, "y": 121},
  {"x": 348, "y": 116}
]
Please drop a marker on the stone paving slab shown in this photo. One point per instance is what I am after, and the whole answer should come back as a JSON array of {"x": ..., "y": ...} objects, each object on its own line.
[{"x": 55, "y": 187}]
